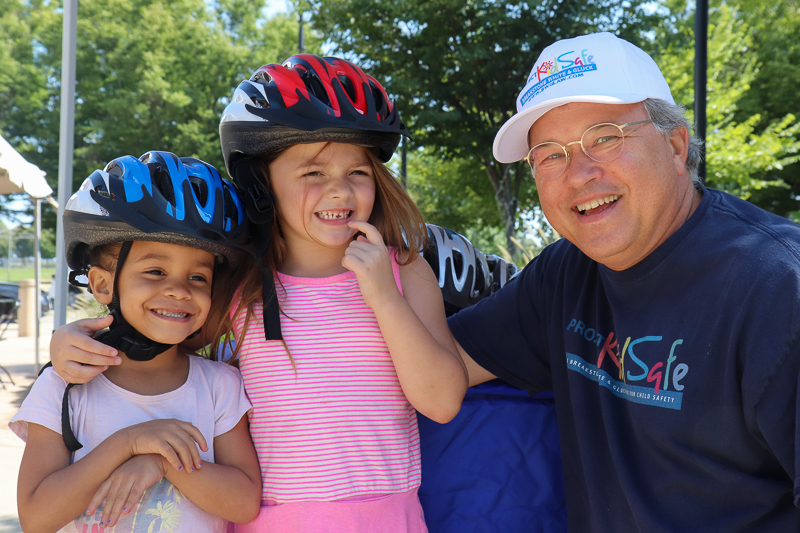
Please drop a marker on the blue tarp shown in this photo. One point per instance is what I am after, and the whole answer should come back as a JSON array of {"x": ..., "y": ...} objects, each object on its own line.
[{"x": 496, "y": 467}]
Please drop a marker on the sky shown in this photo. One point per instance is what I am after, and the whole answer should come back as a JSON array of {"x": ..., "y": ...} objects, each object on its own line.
[{"x": 276, "y": 6}]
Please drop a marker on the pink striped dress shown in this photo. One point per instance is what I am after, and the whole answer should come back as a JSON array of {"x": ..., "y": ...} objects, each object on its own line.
[{"x": 337, "y": 425}]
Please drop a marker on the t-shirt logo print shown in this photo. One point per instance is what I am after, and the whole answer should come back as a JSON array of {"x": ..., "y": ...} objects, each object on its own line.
[{"x": 664, "y": 373}]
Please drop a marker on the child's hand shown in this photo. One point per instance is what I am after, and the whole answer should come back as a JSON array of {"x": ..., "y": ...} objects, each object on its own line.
[
  {"x": 369, "y": 258},
  {"x": 175, "y": 440},
  {"x": 76, "y": 356},
  {"x": 125, "y": 486}
]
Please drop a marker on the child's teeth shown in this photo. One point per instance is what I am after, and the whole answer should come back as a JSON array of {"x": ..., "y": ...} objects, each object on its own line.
[
  {"x": 171, "y": 315},
  {"x": 326, "y": 215}
]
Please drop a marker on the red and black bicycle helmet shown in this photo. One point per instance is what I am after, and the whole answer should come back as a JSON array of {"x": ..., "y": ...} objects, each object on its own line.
[{"x": 308, "y": 99}]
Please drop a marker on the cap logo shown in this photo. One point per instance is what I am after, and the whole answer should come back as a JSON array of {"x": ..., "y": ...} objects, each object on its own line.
[{"x": 549, "y": 72}]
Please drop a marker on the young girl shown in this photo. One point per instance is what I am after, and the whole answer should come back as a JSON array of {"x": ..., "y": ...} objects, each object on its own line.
[
  {"x": 150, "y": 235},
  {"x": 353, "y": 335}
]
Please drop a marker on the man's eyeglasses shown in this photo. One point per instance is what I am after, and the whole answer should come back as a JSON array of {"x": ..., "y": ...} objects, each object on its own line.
[{"x": 601, "y": 143}]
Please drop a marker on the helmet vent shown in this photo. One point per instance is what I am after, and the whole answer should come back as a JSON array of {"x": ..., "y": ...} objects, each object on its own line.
[
  {"x": 380, "y": 103},
  {"x": 162, "y": 181},
  {"x": 114, "y": 169},
  {"x": 347, "y": 85},
  {"x": 316, "y": 88},
  {"x": 200, "y": 188},
  {"x": 261, "y": 77},
  {"x": 227, "y": 202}
]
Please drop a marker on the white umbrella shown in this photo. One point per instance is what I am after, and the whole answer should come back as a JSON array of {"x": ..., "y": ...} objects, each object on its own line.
[{"x": 19, "y": 176}]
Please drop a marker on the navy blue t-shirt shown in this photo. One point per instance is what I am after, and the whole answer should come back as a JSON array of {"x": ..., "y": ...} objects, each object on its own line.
[{"x": 675, "y": 381}]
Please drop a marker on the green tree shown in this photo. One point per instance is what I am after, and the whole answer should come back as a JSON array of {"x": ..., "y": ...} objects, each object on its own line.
[
  {"x": 151, "y": 74},
  {"x": 774, "y": 26},
  {"x": 745, "y": 153},
  {"x": 456, "y": 67}
]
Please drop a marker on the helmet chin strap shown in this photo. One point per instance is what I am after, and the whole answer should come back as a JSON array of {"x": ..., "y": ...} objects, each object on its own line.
[{"x": 123, "y": 336}]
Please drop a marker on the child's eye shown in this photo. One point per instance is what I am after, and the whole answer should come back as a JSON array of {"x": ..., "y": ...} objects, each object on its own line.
[
  {"x": 155, "y": 272},
  {"x": 198, "y": 277}
]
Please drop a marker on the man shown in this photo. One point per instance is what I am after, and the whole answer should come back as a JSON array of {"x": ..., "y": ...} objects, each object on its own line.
[{"x": 666, "y": 322}]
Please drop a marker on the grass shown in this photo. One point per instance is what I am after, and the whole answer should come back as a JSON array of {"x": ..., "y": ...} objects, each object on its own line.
[{"x": 16, "y": 273}]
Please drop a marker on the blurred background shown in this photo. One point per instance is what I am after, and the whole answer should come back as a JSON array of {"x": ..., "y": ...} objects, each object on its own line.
[{"x": 155, "y": 74}]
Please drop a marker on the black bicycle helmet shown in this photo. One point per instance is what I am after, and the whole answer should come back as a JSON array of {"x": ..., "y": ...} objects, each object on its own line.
[{"x": 465, "y": 274}]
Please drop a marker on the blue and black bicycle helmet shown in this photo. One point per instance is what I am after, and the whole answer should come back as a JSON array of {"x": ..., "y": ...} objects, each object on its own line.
[{"x": 158, "y": 197}]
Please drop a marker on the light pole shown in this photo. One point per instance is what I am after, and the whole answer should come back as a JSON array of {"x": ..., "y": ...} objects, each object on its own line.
[{"x": 700, "y": 77}]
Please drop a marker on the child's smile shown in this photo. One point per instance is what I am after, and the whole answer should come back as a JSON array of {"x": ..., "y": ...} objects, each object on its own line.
[{"x": 334, "y": 216}]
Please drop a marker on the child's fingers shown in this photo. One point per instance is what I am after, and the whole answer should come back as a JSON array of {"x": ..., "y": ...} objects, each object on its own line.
[
  {"x": 186, "y": 446},
  {"x": 71, "y": 346},
  {"x": 370, "y": 231},
  {"x": 168, "y": 453},
  {"x": 196, "y": 435},
  {"x": 175, "y": 440},
  {"x": 137, "y": 489},
  {"x": 78, "y": 373},
  {"x": 99, "y": 496},
  {"x": 115, "y": 501},
  {"x": 180, "y": 450}
]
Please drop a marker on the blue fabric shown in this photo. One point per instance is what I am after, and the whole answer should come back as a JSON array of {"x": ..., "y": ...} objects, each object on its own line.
[{"x": 496, "y": 467}]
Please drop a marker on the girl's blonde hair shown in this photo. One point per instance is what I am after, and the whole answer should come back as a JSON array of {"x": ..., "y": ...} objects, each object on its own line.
[{"x": 394, "y": 215}]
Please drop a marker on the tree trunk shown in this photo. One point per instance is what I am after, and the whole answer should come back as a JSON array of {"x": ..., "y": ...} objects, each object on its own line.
[{"x": 506, "y": 181}]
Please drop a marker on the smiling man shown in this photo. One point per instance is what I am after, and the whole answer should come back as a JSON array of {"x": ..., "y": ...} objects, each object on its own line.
[{"x": 666, "y": 322}]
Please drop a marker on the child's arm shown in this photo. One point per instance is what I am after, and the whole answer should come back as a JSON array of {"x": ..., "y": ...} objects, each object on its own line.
[
  {"x": 231, "y": 486},
  {"x": 78, "y": 358},
  {"x": 51, "y": 492},
  {"x": 431, "y": 373}
]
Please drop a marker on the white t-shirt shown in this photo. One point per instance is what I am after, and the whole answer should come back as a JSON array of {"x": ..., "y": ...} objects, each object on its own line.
[{"x": 212, "y": 398}]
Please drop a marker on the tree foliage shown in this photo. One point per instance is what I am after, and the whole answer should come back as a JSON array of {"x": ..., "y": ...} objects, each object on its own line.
[
  {"x": 745, "y": 152},
  {"x": 456, "y": 67},
  {"x": 151, "y": 74}
]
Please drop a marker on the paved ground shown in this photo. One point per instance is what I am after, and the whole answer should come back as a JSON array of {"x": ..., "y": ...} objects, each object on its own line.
[{"x": 17, "y": 355}]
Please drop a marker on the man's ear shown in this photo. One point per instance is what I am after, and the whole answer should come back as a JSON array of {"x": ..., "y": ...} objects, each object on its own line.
[
  {"x": 679, "y": 142},
  {"x": 101, "y": 282}
]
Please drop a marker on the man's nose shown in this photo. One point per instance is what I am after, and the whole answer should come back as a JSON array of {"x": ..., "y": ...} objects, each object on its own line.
[{"x": 581, "y": 168}]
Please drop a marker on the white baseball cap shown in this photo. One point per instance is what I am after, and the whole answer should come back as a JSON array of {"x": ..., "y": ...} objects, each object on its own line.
[{"x": 599, "y": 67}]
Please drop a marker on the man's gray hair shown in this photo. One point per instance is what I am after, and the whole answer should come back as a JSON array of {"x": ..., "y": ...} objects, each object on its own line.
[{"x": 668, "y": 117}]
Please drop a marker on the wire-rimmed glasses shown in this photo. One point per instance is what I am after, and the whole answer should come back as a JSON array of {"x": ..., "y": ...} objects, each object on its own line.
[{"x": 601, "y": 143}]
